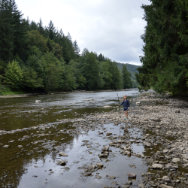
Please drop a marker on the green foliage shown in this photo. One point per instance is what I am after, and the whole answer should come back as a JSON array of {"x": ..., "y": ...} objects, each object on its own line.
[
  {"x": 51, "y": 72},
  {"x": 90, "y": 70},
  {"x": 48, "y": 60},
  {"x": 14, "y": 75},
  {"x": 126, "y": 78},
  {"x": 165, "y": 61}
]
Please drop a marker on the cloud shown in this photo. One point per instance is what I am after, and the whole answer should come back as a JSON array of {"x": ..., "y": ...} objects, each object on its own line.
[{"x": 111, "y": 27}]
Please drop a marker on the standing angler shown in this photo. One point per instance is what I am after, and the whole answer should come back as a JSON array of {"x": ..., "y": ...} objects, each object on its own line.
[{"x": 126, "y": 105}]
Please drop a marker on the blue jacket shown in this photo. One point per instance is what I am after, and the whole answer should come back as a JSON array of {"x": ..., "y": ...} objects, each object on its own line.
[{"x": 125, "y": 104}]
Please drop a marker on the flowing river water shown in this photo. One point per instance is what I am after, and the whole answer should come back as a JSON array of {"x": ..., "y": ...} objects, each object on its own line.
[{"x": 35, "y": 130}]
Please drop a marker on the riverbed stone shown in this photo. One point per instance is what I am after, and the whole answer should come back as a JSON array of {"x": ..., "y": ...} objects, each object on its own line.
[
  {"x": 176, "y": 160},
  {"x": 157, "y": 166},
  {"x": 63, "y": 154},
  {"x": 110, "y": 177},
  {"x": 108, "y": 134},
  {"x": 6, "y": 146},
  {"x": 62, "y": 162},
  {"x": 166, "y": 178},
  {"x": 165, "y": 186},
  {"x": 132, "y": 176}
]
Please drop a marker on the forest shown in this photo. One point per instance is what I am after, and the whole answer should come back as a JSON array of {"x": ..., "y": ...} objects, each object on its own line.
[
  {"x": 165, "y": 60},
  {"x": 37, "y": 58}
]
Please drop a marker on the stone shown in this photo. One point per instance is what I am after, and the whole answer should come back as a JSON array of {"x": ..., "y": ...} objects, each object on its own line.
[
  {"x": 97, "y": 176},
  {"x": 87, "y": 174},
  {"x": 177, "y": 111},
  {"x": 105, "y": 148},
  {"x": 141, "y": 185},
  {"x": 165, "y": 186},
  {"x": 147, "y": 144},
  {"x": 62, "y": 162},
  {"x": 176, "y": 160},
  {"x": 166, "y": 178},
  {"x": 132, "y": 176},
  {"x": 20, "y": 146},
  {"x": 63, "y": 154},
  {"x": 110, "y": 177},
  {"x": 157, "y": 166},
  {"x": 103, "y": 155},
  {"x": 6, "y": 146},
  {"x": 99, "y": 165},
  {"x": 108, "y": 134}
]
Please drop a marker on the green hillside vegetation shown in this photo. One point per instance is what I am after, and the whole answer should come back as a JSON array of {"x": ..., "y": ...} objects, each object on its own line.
[
  {"x": 165, "y": 60},
  {"x": 34, "y": 58},
  {"x": 133, "y": 70}
]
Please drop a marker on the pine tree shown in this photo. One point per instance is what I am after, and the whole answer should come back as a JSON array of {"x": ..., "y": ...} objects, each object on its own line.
[
  {"x": 165, "y": 63},
  {"x": 126, "y": 78}
]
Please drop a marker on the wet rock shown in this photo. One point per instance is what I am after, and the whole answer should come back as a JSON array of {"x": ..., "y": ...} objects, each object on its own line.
[
  {"x": 127, "y": 185},
  {"x": 171, "y": 166},
  {"x": 177, "y": 111},
  {"x": 147, "y": 144},
  {"x": 141, "y": 185},
  {"x": 165, "y": 186},
  {"x": 155, "y": 119},
  {"x": 108, "y": 134},
  {"x": 87, "y": 173},
  {"x": 126, "y": 152},
  {"x": 98, "y": 177},
  {"x": 67, "y": 168},
  {"x": 132, "y": 176},
  {"x": 138, "y": 103},
  {"x": 176, "y": 160},
  {"x": 110, "y": 177},
  {"x": 104, "y": 155},
  {"x": 99, "y": 165},
  {"x": 166, "y": 178},
  {"x": 165, "y": 151},
  {"x": 20, "y": 146},
  {"x": 157, "y": 166},
  {"x": 62, "y": 162},
  {"x": 6, "y": 146},
  {"x": 63, "y": 154}
]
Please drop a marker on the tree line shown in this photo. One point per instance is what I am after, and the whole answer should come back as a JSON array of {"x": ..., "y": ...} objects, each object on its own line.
[
  {"x": 165, "y": 60},
  {"x": 34, "y": 58}
]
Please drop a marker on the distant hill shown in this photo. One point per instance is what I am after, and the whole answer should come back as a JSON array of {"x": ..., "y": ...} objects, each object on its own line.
[{"x": 132, "y": 69}]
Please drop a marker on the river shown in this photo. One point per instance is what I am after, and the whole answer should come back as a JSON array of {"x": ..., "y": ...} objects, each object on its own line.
[{"x": 34, "y": 130}]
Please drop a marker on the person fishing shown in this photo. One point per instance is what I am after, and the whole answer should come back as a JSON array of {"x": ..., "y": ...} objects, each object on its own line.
[{"x": 125, "y": 105}]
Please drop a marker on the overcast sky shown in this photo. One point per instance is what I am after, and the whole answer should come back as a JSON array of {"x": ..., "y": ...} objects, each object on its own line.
[{"x": 110, "y": 27}]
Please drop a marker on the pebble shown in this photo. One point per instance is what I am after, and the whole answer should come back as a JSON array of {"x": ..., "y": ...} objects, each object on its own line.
[
  {"x": 63, "y": 154},
  {"x": 157, "y": 166},
  {"x": 176, "y": 160},
  {"x": 165, "y": 186},
  {"x": 132, "y": 176},
  {"x": 62, "y": 162},
  {"x": 6, "y": 146}
]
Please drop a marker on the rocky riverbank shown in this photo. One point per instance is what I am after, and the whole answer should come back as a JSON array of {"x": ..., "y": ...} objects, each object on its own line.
[
  {"x": 148, "y": 150},
  {"x": 164, "y": 123}
]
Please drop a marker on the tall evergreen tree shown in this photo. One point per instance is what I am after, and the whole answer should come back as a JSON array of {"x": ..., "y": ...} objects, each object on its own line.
[
  {"x": 12, "y": 31},
  {"x": 165, "y": 63},
  {"x": 126, "y": 76}
]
